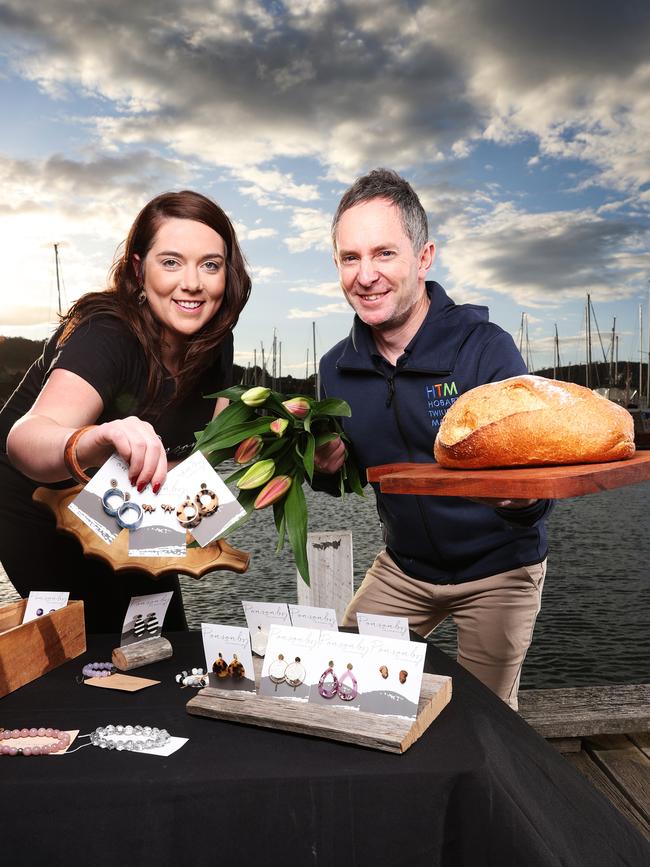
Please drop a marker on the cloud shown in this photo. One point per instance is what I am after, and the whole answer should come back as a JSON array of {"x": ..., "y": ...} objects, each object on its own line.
[
  {"x": 318, "y": 312},
  {"x": 539, "y": 259},
  {"x": 313, "y": 227},
  {"x": 329, "y": 290}
]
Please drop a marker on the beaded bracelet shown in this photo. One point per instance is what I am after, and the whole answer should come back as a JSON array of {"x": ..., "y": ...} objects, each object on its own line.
[
  {"x": 61, "y": 741},
  {"x": 132, "y": 738},
  {"x": 98, "y": 669}
]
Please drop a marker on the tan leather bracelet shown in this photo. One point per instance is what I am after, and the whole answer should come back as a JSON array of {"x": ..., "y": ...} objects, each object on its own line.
[{"x": 70, "y": 455}]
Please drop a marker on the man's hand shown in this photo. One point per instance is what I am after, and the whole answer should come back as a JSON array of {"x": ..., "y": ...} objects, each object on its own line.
[{"x": 329, "y": 457}]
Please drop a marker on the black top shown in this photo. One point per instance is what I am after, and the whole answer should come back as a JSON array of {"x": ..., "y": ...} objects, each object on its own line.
[{"x": 109, "y": 357}]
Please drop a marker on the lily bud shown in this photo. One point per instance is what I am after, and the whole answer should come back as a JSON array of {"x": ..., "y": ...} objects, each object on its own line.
[
  {"x": 248, "y": 450},
  {"x": 298, "y": 406},
  {"x": 278, "y": 426},
  {"x": 273, "y": 491},
  {"x": 257, "y": 475},
  {"x": 255, "y": 396}
]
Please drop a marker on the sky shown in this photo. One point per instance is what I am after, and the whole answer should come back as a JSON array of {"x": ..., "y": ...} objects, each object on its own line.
[{"x": 524, "y": 127}]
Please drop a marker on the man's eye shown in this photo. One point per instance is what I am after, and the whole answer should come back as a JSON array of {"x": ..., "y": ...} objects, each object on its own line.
[{"x": 386, "y": 253}]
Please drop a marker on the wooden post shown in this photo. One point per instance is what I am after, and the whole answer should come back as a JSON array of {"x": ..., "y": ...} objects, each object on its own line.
[
  {"x": 141, "y": 653},
  {"x": 330, "y": 568}
]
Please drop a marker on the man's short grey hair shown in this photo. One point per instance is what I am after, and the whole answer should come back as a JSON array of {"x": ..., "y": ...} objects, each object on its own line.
[{"x": 387, "y": 184}]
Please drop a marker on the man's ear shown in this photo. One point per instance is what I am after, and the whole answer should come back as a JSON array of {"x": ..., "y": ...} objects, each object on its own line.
[{"x": 427, "y": 255}]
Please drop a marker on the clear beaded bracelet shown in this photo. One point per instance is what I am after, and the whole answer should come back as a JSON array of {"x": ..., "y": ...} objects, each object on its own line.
[
  {"x": 132, "y": 738},
  {"x": 60, "y": 742}
]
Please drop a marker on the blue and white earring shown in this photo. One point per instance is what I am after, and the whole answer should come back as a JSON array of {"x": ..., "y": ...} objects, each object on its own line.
[
  {"x": 113, "y": 499},
  {"x": 129, "y": 514}
]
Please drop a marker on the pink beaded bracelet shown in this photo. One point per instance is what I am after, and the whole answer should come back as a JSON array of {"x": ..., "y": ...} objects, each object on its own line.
[{"x": 61, "y": 741}]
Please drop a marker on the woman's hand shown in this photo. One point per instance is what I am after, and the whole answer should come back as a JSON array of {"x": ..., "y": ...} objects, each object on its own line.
[
  {"x": 137, "y": 444},
  {"x": 329, "y": 457}
]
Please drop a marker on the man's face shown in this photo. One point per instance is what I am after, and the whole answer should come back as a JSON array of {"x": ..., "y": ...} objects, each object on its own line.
[{"x": 381, "y": 275}]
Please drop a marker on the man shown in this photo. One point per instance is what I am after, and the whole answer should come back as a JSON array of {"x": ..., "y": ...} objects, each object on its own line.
[{"x": 410, "y": 353}]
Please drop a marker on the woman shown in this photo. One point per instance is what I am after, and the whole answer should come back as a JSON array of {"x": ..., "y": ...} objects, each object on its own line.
[{"x": 133, "y": 364}]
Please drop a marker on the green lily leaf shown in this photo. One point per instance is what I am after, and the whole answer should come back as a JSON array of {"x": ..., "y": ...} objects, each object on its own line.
[
  {"x": 280, "y": 524},
  {"x": 308, "y": 455},
  {"x": 295, "y": 513},
  {"x": 234, "y": 435},
  {"x": 331, "y": 406}
]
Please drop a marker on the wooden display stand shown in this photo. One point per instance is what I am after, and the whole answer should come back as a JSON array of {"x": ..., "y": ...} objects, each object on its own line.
[
  {"x": 29, "y": 650},
  {"x": 196, "y": 563},
  {"x": 387, "y": 733},
  {"x": 141, "y": 653}
]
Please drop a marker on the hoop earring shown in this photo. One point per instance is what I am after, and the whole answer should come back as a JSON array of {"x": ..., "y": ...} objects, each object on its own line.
[
  {"x": 112, "y": 499},
  {"x": 129, "y": 515},
  {"x": 220, "y": 667},
  {"x": 188, "y": 514},
  {"x": 328, "y": 690},
  {"x": 207, "y": 501},
  {"x": 295, "y": 673},
  {"x": 277, "y": 670},
  {"x": 236, "y": 669},
  {"x": 347, "y": 692}
]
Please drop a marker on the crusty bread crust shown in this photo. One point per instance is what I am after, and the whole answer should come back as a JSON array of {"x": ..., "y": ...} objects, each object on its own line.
[{"x": 532, "y": 421}]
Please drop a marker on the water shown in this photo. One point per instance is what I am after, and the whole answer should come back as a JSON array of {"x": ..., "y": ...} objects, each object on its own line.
[{"x": 594, "y": 627}]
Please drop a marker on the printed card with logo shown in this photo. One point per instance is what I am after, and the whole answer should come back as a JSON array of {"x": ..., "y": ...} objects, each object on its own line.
[
  {"x": 381, "y": 624},
  {"x": 369, "y": 673},
  {"x": 313, "y": 617},
  {"x": 98, "y": 503},
  {"x": 42, "y": 602},
  {"x": 289, "y": 662},
  {"x": 259, "y": 617},
  {"x": 228, "y": 657},
  {"x": 144, "y": 617}
]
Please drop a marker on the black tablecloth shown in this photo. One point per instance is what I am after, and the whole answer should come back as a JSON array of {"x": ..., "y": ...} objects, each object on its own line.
[{"x": 479, "y": 788}]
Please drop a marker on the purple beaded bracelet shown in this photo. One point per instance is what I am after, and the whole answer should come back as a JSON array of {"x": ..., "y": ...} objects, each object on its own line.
[
  {"x": 98, "y": 669},
  {"x": 61, "y": 741}
]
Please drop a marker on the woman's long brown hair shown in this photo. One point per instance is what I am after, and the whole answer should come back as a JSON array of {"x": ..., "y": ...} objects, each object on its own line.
[{"x": 121, "y": 298}]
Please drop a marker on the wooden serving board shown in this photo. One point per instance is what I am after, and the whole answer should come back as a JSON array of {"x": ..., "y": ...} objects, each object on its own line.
[
  {"x": 558, "y": 482},
  {"x": 387, "y": 733},
  {"x": 197, "y": 562}
]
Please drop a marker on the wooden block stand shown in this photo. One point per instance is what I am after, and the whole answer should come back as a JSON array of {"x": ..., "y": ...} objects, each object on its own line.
[
  {"x": 28, "y": 650},
  {"x": 387, "y": 733}
]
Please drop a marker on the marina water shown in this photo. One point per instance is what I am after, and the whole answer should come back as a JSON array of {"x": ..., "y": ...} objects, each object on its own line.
[{"x": 594, "y": 626}]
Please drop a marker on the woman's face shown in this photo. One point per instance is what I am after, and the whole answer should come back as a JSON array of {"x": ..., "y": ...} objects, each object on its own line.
[{"x": 184, "y": 275}]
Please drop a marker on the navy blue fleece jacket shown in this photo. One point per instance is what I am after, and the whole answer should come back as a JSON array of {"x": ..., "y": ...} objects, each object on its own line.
[{"x": 396, "y": 413}]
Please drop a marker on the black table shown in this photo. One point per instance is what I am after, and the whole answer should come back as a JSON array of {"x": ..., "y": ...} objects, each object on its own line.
[{"x": 479, "y": 788}]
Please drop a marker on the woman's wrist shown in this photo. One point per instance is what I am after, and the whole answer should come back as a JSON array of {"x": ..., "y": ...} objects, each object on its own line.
[{"x": 71, "y": 457}]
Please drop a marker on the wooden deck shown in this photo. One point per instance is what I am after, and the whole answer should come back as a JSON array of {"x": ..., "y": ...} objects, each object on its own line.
[{"x": 591, "y": 727}]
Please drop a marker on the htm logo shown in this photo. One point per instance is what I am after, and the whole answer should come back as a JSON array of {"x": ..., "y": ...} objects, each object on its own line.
[{"x": 441, "y": 389}]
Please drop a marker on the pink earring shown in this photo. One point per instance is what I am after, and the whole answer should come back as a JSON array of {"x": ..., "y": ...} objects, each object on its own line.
[
  {"x": 328, "y": 683},
  {"x": 347, "y": 692}
]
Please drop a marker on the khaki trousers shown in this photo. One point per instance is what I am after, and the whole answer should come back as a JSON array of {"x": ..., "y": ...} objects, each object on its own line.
[{"x": 494, "y": 616}]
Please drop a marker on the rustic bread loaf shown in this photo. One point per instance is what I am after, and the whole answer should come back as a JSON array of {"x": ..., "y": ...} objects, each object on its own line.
[{"x": 531, "y": 421}]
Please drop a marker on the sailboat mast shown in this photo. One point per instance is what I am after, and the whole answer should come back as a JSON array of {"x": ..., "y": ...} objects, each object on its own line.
[
  {"x": 640, "y": 352},
  {"x": 58, "y": 279},
  {"x": 313, "y": 333},
  {"x": 588, "y": 336}
]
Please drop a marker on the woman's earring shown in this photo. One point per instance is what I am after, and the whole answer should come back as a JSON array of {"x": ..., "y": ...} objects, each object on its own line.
[
  {"x": 277, "y": 670},
  {"x": 188, "y": 514},
  {"x": 295, "y": 673},
  {"x": 207, "y": 501},
  {"x": 383, "y": 670},
  {"x": 347, "y": 692},
  {"x": 142, "y": 297},
  {"x": 236, "y": 669},
  {"x": 220, "y": 667},
  {"x": 403, "y": 675},
  {"x": 112, "y": 500},
  {"x": 328, "y": 683}
]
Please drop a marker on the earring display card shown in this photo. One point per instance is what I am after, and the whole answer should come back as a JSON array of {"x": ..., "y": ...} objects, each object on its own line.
[
  {"x": 229, "y": 661},
  {"x": 313, "y": 617},
  {"x": 144, "y": 617},
  {"x": 259, "y": 617},
  {"x": 288, "y": 668},
  {"x": 384, "y": 626},
  {"x": 195, "y": 480},
  {"x": 42, "y": 602},
  {"x": 88, "y": 505},
  {"x": 369, "y": 673}
]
